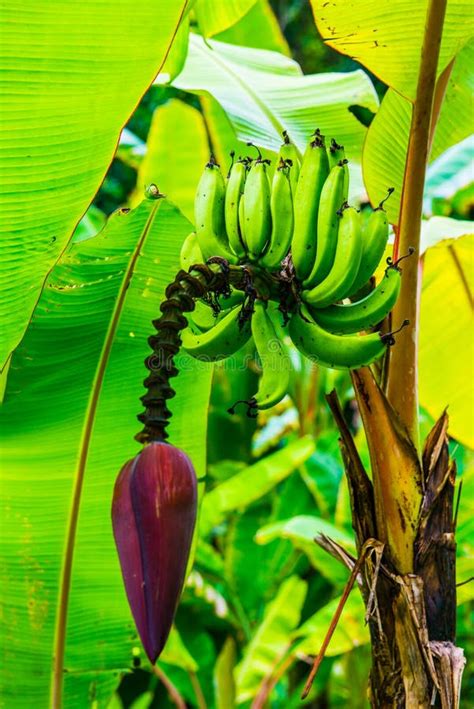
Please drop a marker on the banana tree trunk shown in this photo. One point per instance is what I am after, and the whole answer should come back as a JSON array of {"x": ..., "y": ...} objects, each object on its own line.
[{"x": 411, "y": 615}]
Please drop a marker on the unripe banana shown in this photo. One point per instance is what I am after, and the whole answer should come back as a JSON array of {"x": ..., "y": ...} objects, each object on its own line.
[
  {"x": 337, "y": 156},
  {"x": 190, "y": 252},
  {"x": 289, "y": 152},
  {"x": 374, "y": 241},
  {"x": 333, "y": 196},
  {"x": 226, "y": 337},
  {"x": 346, "y": 262},
  {"x": 282, "y": 217},
  {"x": 209, "y": 214},
  {"x": 257, "y": 219},
  {"x": 363, "y": 314},
  {"x": 314, "y": 171},
  {"x": 203, "y": 317},
  {"x": 275, "y": 361},
  {"x": 334, "y": 351},
  {"x": 234, "y": 192}
]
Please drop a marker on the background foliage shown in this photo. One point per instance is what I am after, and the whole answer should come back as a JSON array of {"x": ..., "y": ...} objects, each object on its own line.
[{"x": 261, "y": 593}]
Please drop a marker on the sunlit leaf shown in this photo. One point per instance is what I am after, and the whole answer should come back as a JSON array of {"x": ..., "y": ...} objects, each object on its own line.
[
  {"x": 272, "y": 638},
  {"x": 177, "y": 151},
  {"x": 72, "y": 73},
  {"x": 386, "y": 36},
  {"x": 176, "y": 653},
  {"x": 301, "y": 531},
  {"x": 85, "y": 345},
  {"x": 265, "y": 92},
  {"x": 257, "y": 28},
  {"x": 437, "y": 229},
  {"x": 214, "y": 17},
  {"x": 224, "y": 675},
  {"x": 386, "y": 145},
  {"x": 351, "y": 631},
  {"x": 254, "y": 482},
  {"x": 446, "y": 356}
]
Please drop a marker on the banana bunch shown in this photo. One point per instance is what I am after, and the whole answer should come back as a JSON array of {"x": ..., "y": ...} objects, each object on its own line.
[
  {"x": 246, "y": 218},
  {"x": 318, "y": 253}
]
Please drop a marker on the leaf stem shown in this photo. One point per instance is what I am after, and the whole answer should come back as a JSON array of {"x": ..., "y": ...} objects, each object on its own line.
[{"x": 402, "y": 384}]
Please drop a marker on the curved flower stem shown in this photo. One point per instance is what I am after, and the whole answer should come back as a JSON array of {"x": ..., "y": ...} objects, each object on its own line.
[{"x": 402, "y": 384}]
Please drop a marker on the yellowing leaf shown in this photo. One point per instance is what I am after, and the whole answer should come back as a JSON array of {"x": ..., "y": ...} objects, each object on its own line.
[
  {"x": 386, "y": 36},
  {"x": 446, "y": 357}
]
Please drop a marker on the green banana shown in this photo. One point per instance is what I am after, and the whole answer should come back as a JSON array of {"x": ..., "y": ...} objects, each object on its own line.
[
  {"x": 337, "y": 156},
  {"x": 203, "y": 316},
  {"x": 256, "y": 226},
  {"x": 275, "y": 361},
  {"x": 281, "y": 204},
  {"x": 233, "y": 194},
  {"x": 363, "y": 314},
  {"x": 289, "y": 152},
  {"x": 314, "y": 171},
  {"x": 226, "y": 337},
  {"x": 190, "y": 252},
  {"x": 333, "y": 196},
  {"x": 373, "y": 247},
  {"x": 335, "y": 351},
  {"x": 209, "y": 214},
  {"x": 346, "y": 262}
]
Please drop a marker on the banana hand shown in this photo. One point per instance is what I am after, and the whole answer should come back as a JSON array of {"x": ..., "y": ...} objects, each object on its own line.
[
  {"x": 334, "y": 351},
  {"x": 275, "y": 361},
  {"x": 363, "y": 314},
  {"x": 226, "y": 337}
]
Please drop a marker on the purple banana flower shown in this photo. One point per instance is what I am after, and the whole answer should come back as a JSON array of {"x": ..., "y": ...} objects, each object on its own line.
[{"x": 153, "y": 517}]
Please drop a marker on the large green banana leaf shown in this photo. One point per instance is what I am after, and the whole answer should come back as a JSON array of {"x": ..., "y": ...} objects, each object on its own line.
[
  {"x": 257, "y": 28},
  {"x": 386, "y": 36},
  {"x": 446, "y": 358},
  {"x": 177, "y": 151},
  {"x": 386, "y": 145},
  {"x": 72, "y": 73},
  {"x": 68, "y": 423},
  {"x": 272, "y": 639},
  {"x": 214, "y": 17},
  {"x": 265, "y": 92}
]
